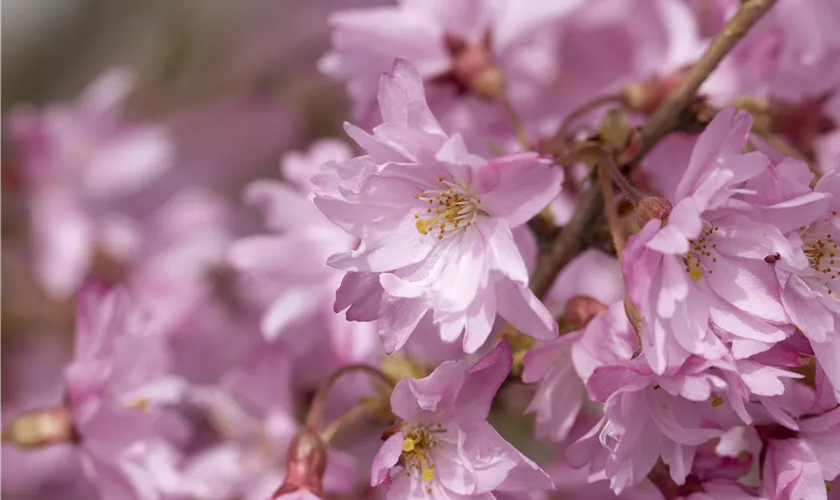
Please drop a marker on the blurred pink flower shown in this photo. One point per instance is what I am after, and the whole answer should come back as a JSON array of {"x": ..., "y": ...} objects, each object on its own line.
[
  {"x": 287, "y": 273},
  {"x": 546, "y": 58},
  {"x": 117, "y": 387},
  {"x": 253, "y": 411},
  {"x": 78, "y": 159},
  {"x": 706, "y": 263},
  {"x": 793, "y": 53},
  {"x": 444, "y": 447},
  {"x": 435, "y": 227}
]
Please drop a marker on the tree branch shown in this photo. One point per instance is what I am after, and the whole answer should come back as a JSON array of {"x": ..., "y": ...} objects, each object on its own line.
[{"x": 666, "y": 117}]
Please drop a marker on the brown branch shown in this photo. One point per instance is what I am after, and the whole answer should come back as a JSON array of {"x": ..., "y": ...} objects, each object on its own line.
[
  {"x": 578, "y": 231},
  {"x": 665, "y": 118},
  {"x": 611, "y": 210}
]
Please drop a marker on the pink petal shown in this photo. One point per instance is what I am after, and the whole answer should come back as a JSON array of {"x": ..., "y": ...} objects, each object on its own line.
[
  {"x": 526, "y": 185},
  {"x": 524, "y": 310},
  {"x": 482, "y": 381},
  {"x": 386, "y": 458}
]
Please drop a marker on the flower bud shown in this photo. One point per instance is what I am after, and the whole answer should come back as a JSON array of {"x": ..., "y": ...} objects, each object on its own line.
[
  {"x": 653, "y": 207},
  {"x": 474, "y": 68},
  {"x": 40, "y": 428},
  {"x": 305, "y": 465},
  {"x": 580, "y": 310}
]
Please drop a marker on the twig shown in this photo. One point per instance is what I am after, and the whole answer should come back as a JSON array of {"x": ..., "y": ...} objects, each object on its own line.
[
  {"x": 319, "y": 402},
  {"x": 515, "y": 123},
  {"x": 583, "y": 110},
  {"x": 571, "y": 241},
  {"x": 615, "y": 173},
  {"x": 357, "y": 411},
  {"x": 610, "y": 209}
]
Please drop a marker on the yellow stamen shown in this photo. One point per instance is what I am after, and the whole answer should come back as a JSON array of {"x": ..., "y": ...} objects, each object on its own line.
[
  {"x": 695, "y": 274},
  {"x": 408, "y": 445},
  {"x": 428, "y": 475}
]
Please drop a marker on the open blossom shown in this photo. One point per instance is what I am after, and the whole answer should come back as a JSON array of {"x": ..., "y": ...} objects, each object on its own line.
[
  {"x": 443, "y": 447},
  {"x": 705, "y": 264},
  {"x": 77, "y": 160},
  {"x": 287, "y": 273},
  {"x": 435, "y": 226}
]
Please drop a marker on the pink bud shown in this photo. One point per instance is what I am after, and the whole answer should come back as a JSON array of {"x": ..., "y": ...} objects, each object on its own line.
[
  {"x": 580, "y": 310},
  {"x": 40, "y": 428},
  {"x": 474, "y": 68},
  {"x": 306, "y": 464},
  {"x": 653, "y": 207}
]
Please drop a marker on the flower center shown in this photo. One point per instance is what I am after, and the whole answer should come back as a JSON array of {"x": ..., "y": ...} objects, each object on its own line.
[
  {"x": 699, "y": 257},
  {"x": 450, "y": 207},
  {"x": 821, "y": 243},
  {"x": 416, "y": 447}
]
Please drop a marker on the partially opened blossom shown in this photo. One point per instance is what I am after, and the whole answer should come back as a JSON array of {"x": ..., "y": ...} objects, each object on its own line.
[
  {"x": 77, "y": 160},
  {"x": 286, "y": 274},
  {"x": 443, "y": 447},
  {"x": 801, "y": 464},
  {"x": 704, "y": 266},
  {"x": 435, "y": 227}
]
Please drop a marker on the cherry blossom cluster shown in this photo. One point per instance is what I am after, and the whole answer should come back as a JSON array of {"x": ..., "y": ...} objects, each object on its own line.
[{"x": 367, "y": 322}]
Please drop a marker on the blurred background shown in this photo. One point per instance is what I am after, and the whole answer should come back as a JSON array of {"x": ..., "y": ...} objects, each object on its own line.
[{"x": 233, "y": 82}]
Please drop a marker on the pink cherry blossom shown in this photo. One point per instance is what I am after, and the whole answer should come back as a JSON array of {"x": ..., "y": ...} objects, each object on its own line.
[
  {"x": 77, "y": 160},
  {"x": 705, "y": 266},
  {"x": 444, "y": 448},
  {"x": 435, "y": 227},
  {"x": 809, "y": 291},
  {"x": 287, "y": 274}
]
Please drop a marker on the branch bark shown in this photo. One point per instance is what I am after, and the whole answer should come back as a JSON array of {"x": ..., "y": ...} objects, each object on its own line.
[{"x": 666, "y": 117}]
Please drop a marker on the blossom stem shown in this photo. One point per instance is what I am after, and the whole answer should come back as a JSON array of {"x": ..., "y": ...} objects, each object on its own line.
[
  {"x": 610, "y": 210},
  {"x": 666, "y": 117},
  {"x": 618, "y": 177},
  {"x": 363, "y": 408},
  {"x": 515, "y": 123},
  {"x": 584, "y": 109},
  {"x": 319, "y": 403}
]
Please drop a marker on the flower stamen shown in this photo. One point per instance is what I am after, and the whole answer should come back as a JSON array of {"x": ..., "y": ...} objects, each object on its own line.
[{"x": 454, "y": 207}]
